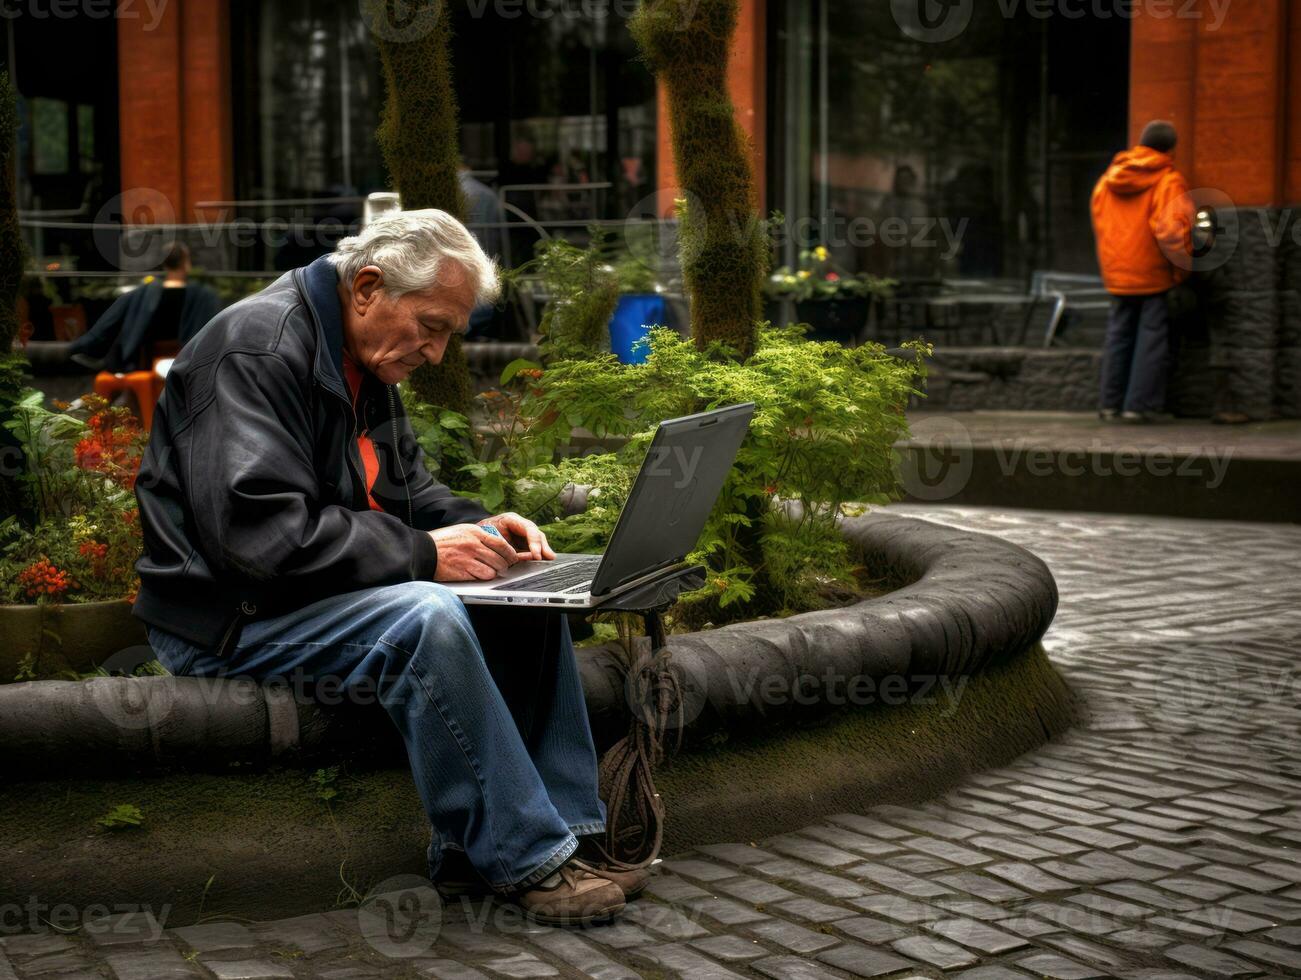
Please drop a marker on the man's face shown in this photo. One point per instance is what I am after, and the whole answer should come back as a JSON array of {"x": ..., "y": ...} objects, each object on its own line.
[{"x": 390, "y": 337}]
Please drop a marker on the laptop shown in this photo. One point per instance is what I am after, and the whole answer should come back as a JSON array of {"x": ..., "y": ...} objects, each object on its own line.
[{"x": 675, "y": 490}]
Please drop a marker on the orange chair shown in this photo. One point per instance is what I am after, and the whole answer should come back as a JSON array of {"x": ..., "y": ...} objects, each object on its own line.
[{"x": 146, "y": 386}]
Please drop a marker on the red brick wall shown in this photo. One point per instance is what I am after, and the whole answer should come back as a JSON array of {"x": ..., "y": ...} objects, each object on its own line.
[
  {"x": 175, "y": 109},
  {"x": 1226, "y": 87}
]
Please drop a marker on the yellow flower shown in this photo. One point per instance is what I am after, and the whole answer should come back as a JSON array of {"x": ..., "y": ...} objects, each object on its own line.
[
  {"x": 805, "y": 274},
  {"x": 821, "y": 254}
]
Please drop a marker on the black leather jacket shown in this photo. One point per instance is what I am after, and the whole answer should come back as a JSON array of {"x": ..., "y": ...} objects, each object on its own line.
[{"x": 252, "y": 498}]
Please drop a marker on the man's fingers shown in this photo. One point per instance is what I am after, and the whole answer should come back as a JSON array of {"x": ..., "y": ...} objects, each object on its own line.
[
  {"x": 482, "y": 572},
  {"x": 498, "y": 545},
  {"x": 547, "y": 553}
]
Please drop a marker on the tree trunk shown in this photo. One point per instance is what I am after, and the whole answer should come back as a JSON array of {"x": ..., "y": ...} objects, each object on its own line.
[{"x": 419, "y": 136}]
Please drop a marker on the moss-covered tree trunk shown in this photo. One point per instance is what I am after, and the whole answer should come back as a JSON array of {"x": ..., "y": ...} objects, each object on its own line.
[
  {"x": 11, "y": 241},
  {"x": 419, "y": 136},
  {"x": 724, "y": 241}
]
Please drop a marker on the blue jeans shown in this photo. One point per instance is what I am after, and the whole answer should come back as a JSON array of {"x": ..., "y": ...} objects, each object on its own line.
[
  {"x": 489, "y": 704},
  {"x": 1136, "y": 354}
]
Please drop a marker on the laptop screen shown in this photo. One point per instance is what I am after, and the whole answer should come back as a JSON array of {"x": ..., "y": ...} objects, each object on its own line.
[{"x": 674, "y": 492}]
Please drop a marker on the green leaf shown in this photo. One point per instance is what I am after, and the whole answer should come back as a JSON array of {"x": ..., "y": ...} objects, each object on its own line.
[{"x": 515, "y": 367}]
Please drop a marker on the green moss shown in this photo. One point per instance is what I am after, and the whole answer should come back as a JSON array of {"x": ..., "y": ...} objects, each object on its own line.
[
  {"x": 419, "y": 137},
  {"x": 725, "y": 249},
  {"x": 742, "y": 789},
  {"x": 11, "y": 241}
]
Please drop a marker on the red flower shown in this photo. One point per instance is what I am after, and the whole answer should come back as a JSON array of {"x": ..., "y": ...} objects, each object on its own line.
[
  {"x": 41, "y": 578},
  {"x": 832, "y": 277}
]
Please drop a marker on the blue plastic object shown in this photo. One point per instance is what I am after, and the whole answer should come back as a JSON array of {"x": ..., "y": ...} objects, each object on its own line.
[{"x": 633, "y": 318}]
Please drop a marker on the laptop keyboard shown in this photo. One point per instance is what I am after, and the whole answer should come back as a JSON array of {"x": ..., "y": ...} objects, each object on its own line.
[{"x": 572, "y": 576}]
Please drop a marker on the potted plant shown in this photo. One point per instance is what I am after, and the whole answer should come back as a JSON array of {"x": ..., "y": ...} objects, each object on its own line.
[
  {"x": 836, "y": 304},
  {"x": 67, "y": 557}
]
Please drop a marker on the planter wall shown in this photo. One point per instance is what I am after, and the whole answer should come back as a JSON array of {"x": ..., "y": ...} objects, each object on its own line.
[
  {"x": 84, "y": 635},
  {"x": 973, "y": 601}
]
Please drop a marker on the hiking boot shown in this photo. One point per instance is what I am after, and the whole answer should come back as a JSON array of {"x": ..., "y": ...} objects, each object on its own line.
[
  {"x": 457, "y": 877},
  {"x": 571, "y": 896},
  {"x": 632, "y": 880}
]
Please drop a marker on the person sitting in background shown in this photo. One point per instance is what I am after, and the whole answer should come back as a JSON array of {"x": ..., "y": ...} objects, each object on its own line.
[
  {"x": 1143, "y": 221},
  {"x": 482, "y": 208},
  {"x": 155, "y": 319}
]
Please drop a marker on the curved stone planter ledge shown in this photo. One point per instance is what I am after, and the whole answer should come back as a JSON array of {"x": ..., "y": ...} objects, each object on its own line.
[{"x": 973, "y": 602}]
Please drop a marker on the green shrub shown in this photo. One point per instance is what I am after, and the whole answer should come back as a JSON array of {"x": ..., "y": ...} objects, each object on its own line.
[{"x": 827, "y": 418}]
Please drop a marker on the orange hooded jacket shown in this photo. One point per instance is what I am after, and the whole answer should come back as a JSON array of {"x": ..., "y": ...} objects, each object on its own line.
[{"x": 1142, "y": 220}]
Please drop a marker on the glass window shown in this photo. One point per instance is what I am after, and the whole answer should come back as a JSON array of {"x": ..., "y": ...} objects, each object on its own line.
[
  {"x": 969, "y": 157},
  {"x": 49, "y": 136}
]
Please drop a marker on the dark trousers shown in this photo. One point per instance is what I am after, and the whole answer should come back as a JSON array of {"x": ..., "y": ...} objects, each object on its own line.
[{"x": 1136, "y": 355}]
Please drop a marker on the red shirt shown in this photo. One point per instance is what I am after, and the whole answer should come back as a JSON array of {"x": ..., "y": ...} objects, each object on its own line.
[{"x": 352, "y": 374}]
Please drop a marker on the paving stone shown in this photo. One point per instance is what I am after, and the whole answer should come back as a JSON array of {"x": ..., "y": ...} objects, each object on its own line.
[
  {"x": 620, "y": 935},
  {"x": 811, "y": 910},
  {"x": 1287, "y": 935},
  {"x": 1281, "y": 910},
  {"x": 663, "y": 920},
  {"x": 1027, "y": 876},
  {"x": 753, "y": 890},
  {"x": 248, "y": 969},
  {"x": 698, "y": 869},
  {"x": 1147, "y": 895},
  {"x": 916, "y": 864},
  {"x": 1162, "y": 857},
  {"x": 730, "y": 949},
  {"x": 936, "y": 952},
  {"x": 448, "y": 970},
  {"x": 1198, "y": 888},
  {"x": 792, "y": 968},
  {"x": 990, "y": 889},
  {"x": 862, "y": 961},
  {"x": 946, "y": 850},
  {"x": 36, "y": 944},
  {"x": 128, "y": 927},
  {"x": 899, "y": 909},
  {"x": 51, "y": 963},
  {"x": 1142, "y": 939},
  {"x": 6, "y": 969},
  {"x": 671, "y": 888},
  {"x": 873, "y": 930},
  {"x": 847, "y": 840},
  {"x": 740, "y": 854},
  {"x": 309, "y": 933},
  {"x": 1288, "y": 959},
  {"x": 815, "y": 852},
  {"x": 213, "y": 936},
  {"x": 977, "y": 935},
  {"x": 1088, "y": 952},
  {"x": 1092, "y": 836},
  {"x": 1210, "y": 961},
  {"x": 1238, "y": 878},
  {"x": 582, "y": 956},
  {"x": 726, "y": 911},
  {"x": 794, "y": 937},
  {"x": 1058, "y": 967},
  {"x": 829, "y": 885},
  {"x": 991, "y": 973},
  {"x": 1010, "y": 847},
  {"x": 898, "y": 881},
  {"x": 683, "y": 961},
  {"x": 521, "y": 965},
  {"x": 154, "y": 962},
  {"x": 867, "y": 825}
]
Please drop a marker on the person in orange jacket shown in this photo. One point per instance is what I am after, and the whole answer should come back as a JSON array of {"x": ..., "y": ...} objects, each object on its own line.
[{"x": 1142, "y": 220}]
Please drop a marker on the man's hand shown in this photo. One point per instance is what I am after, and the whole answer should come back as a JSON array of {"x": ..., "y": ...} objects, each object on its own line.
[
  {"x": 536, "y": 547},
  {"x": 466, "y": 553}
]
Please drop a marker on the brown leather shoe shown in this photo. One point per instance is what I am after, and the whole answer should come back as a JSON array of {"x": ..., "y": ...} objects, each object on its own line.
[
  {"x": 632, "y": 880},
  {"x": 571, "y": 896}
]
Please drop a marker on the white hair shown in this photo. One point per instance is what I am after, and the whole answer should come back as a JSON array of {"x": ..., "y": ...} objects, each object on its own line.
[{"x": 411, "y": 247}]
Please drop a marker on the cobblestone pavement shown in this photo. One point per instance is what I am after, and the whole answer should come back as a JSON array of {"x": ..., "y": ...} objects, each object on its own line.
[{"x": 1162, "y": 839}]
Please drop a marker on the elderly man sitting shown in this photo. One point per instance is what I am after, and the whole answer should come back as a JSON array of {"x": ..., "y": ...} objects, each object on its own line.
[{"x": 291, "y": 531}]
